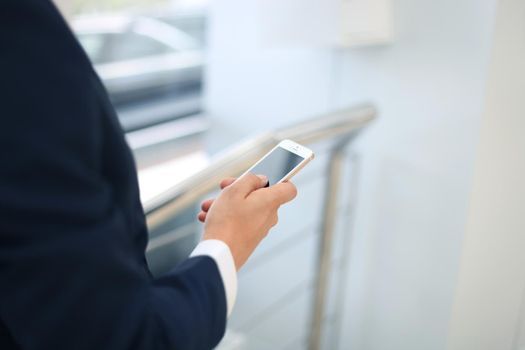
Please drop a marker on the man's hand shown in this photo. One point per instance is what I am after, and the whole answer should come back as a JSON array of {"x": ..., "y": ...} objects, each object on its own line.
[
  {"x": 205, "y": 206},
  {"x": 243, "y": 213}
]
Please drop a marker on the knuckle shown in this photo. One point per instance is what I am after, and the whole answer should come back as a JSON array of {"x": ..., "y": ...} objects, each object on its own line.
[
  {"x": 229, "y": 191},
  {"x": 281, "y": 193},
  {"x": 288, "y": 192},
  {"x": 252, "y": 178},
  {"x": 293, "y": 190},
  {"x": 289, "y": 189},
  {"x": 277, "y": 202},
  {"x": 275, "y": 219}
]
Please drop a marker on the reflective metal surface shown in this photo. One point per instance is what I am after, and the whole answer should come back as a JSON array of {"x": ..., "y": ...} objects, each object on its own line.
[
  {"x": 239, "y": 158},
  {"x": 340, "y": 128}
]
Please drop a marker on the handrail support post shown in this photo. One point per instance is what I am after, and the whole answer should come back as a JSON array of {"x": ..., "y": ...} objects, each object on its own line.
[{"x": 335, "y": 169}]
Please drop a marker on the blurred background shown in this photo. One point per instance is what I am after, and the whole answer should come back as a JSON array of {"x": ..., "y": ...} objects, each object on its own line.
[{"x": 409, "y": 229}]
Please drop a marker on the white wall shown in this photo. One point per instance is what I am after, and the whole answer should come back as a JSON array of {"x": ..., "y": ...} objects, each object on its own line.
[
  {"x": 429, "y": 86},
  {"x": 417, "y": 159},
  {"x": 489, "y": 311},
  {"x": 251, "y": 88}
]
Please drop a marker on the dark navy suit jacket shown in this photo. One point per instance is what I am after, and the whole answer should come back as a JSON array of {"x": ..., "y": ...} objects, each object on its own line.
[{"x": 72, "y": 229}]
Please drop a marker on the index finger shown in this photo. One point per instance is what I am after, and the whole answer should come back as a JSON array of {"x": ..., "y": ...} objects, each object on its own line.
[{"x": 282, "y": 192}]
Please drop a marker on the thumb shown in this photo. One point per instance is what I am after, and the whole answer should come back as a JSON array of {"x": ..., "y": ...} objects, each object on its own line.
[
  {"x": 248, "y": 183},
  {"x": 282, "y": 192}
]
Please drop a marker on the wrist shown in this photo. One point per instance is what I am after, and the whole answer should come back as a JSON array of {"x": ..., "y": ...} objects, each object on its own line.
[{"x": 229, "y": 244}]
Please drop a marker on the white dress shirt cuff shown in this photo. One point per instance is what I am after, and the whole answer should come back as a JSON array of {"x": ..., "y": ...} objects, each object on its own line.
[{"x": 221, "y": 254}]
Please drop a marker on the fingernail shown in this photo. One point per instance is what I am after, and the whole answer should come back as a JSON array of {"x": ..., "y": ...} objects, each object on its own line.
[{"x": 264, "y": 179}]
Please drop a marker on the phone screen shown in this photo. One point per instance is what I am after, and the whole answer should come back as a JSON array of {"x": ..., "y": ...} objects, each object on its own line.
[{"x": 277, "y": 164}]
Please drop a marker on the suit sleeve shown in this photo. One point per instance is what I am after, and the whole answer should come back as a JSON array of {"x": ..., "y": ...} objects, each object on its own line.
[
  {"x": 221, "y": 254},
  {"x": 72, "y": 269}
]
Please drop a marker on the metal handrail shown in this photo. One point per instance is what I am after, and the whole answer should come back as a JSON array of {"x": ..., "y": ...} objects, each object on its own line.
[
  {"x": 341, "y": 125},
  {"x": 237, "y": 159}
]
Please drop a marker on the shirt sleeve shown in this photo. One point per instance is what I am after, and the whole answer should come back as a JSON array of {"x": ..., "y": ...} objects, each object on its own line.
[{"x": 221, "y": 254}]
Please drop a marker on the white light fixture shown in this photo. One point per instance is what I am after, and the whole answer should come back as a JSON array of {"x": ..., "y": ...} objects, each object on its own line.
[{"x": 328, "y": 23}]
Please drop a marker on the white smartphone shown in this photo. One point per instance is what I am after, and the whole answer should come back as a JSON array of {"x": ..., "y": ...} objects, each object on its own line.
[{"x": 282, "y": 162}]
